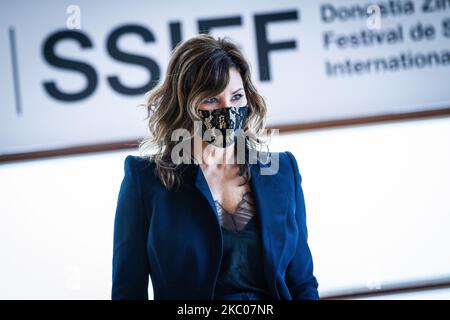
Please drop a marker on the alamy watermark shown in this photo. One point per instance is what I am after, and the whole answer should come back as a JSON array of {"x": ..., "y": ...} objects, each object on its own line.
[
  {"x": 373, "y": 22},
  {"x": 73, "y": 21}
]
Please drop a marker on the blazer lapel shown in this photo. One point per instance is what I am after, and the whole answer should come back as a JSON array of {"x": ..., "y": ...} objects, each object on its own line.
[
  {"x": 270, "y": 194},
  {"x": 202, "y": 185}
]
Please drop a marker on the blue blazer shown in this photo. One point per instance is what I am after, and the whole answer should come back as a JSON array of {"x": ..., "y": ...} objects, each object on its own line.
[{"x": 175, "y": 236}]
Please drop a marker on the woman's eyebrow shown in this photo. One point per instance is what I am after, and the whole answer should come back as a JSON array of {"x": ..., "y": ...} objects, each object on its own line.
[{"x": 233, "y": 92}]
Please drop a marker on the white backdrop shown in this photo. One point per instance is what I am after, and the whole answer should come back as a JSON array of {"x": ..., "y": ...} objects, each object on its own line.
[{"x": 376, "y": 198}]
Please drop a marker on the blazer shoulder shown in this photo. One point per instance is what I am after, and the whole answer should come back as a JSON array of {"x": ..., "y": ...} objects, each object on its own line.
[
  {"x": 138, "y": 162},
  {"x": 294, "y": 164},
  {"x": 290, "y": 158},
  {"x": 285, "y": 157},
  {"x": 139, "y": 166}
]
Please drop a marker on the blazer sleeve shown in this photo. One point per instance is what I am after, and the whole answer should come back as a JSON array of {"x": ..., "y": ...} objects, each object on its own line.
[
  {"x": 130, "y": 267},
  {"x": 299, "y": 274}
]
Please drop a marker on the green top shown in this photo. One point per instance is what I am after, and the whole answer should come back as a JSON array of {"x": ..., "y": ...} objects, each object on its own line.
[{"x": 242, "y": 261}]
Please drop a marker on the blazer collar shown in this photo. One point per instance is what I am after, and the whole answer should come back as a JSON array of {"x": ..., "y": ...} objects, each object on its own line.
[{"x": 270, "y": 194}]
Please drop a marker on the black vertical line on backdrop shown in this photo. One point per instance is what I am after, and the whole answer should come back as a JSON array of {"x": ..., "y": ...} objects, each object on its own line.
[
  {"x": 15, "y": 69},
  {"x": 175, "y": 34}
]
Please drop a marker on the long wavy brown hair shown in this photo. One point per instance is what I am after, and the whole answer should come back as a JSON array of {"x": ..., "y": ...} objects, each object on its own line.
[{"x": 198, "y": 69}]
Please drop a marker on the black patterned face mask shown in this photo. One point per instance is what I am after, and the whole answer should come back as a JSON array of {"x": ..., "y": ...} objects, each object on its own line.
[{"x": 219, "y": 120}]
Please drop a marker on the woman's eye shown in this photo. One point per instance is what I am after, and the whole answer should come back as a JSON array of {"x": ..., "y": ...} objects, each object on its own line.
[
  {"x": 209, "y": 100},
  {"x": 213, "y": 100}
]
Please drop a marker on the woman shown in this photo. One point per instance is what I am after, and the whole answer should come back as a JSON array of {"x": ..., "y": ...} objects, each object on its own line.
[{"x": 206, "y": 215}]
